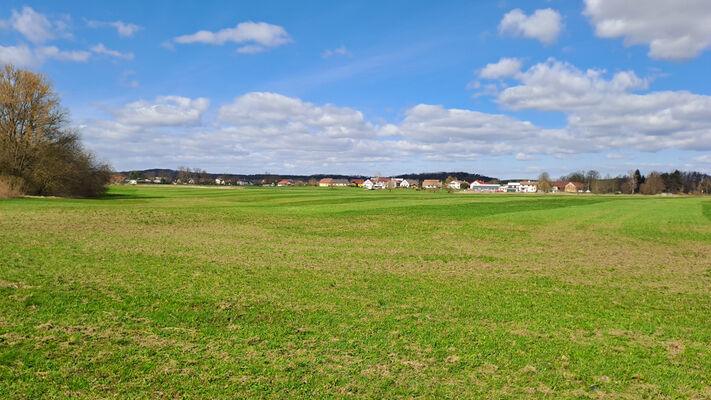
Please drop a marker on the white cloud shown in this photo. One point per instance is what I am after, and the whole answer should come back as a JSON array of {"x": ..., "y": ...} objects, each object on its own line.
[
  {"x": 122, "y": 28},
  {"x": 543, "y": 25},
  {"x": 256, "y": 34},
  {"x": 559, "y": 86},
  {"x": 36, "y": 27},
  {"x": 606, "y": 113},
  {"x": 20, "y": 56},
  {"x": 340, "y": 51},
  {"x": 23, "y": 56},
  {"x": 251, "y": 49},
  {"x": 504, "y": 68},
  {"x": 54, "y": 52},
  {"x": 270, "y": 130},
  {"x": 705, "y": 159},
  {"x": 524, "y": 157},
  {"x": 101, "y": 49},
  {"x": 272, "y": 113},
  {"x": 673, "y": 30},
  {"x": 164, "y": 111}
]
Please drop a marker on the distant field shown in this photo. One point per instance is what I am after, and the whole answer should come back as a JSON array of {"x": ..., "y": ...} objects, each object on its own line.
[{"x": 163, "y": 292}]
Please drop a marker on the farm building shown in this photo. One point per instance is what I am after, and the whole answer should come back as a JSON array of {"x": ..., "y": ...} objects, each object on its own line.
[
  {"x": 325, "y": 182},
  {"x": 285, "y": 182},
  {"x": 340, "y": 182},
  {"x": 357, "y": 182},
  {"x": 431, "y": 184},
  {"x": 480, "y": 186}
]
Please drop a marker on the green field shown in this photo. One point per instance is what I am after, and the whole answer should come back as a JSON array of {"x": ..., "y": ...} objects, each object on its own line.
[{"x": 163, "y": 292}]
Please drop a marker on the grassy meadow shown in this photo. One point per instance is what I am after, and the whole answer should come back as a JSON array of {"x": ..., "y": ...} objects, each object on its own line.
[{"x": 165, "y": 292}]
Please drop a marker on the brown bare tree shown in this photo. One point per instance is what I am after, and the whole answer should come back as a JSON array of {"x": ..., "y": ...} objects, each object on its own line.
[{"x": 36, "y": 145}]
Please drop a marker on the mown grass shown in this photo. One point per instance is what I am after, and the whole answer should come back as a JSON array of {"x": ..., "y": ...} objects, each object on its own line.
[{"x": 155, "y": 292}]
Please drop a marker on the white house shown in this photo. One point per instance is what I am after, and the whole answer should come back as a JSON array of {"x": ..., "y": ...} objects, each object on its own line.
[
  {"x": 408, "y": 183},
  {"x": 456, "y": 184},
  {"x": 512, "y": 187},
  {"x": 528, "y": 187},
  {"x": 368, "y": 184}
]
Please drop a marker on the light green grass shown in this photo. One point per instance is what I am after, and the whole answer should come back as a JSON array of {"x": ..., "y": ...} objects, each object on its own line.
[{"x": 161, "y": 292}]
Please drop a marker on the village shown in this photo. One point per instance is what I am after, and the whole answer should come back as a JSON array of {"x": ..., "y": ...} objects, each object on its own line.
[
  {"x": 452, "y": 184},
  {"x": 389, "y": 183}
]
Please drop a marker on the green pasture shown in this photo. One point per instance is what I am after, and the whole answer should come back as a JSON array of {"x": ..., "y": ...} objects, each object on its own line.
[{"x": 186, "y": 292}]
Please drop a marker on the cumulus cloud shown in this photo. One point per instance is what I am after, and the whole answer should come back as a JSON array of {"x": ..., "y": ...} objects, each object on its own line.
[
  {"x": 606, "y": 112},
  {"x": 101, "y": 49},
  {"x": 674, "y": 31},
  {"x": 504, "y": 68},
  {"x": 257, "y": 35},
  {"x": 271, "y": 130},
  {"x": 543, "y": 25},
  {"x": 122, "y": 28},
  {"x": 340, "y": 51},
  {"x": 36, "y": 27},
  {"x": 272, "y": 113},
  {"x": 164, "y": 111},
  {"x": 23, "y": 56}
]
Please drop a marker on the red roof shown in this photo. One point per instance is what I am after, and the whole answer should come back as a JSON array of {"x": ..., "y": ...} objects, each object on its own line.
[{"x": 357, "y": 181}]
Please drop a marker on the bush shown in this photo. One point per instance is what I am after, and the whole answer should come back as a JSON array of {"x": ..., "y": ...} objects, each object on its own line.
[{"x": 10, "y": 186}]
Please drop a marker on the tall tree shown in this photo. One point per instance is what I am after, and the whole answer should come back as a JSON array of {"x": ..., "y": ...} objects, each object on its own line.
[
  {"x": 544, "y": 182},
  {"x": 654, "y": 184},
  {"x": 36, "y": 144}
]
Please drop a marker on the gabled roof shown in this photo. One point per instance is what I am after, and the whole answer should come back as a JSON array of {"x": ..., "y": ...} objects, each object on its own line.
[
  {"x": 326, "y": 180},
  {"x": 431, "y": 182},
  {"x": 357, "y": 181}
]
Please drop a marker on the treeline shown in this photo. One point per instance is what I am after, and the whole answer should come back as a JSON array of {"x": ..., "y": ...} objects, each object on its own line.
[
  {"x": 634, "y": 182},
  {"x": 199, "y": 176},
  {"x": 39, "y": 153}
]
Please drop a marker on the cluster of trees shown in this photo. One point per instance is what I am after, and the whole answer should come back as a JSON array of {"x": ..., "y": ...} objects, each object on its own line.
[
  {"x": 39, "y": 153},
  {"x": 635, "y": 182}
]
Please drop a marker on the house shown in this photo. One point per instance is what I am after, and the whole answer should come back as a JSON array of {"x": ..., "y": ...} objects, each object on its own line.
[
  {"x": 481, "y": 186},
  {"x": 381, "y": 183},
  {"x": 409, "y": 183},
  {"x": 241, "y": 183},
  {"x": 285, "y": 182},
  {"x": 368, "y": 184},
  {"x": 431, "y": 184},
  {"x": 340, "y": 182},
  {"x": 456, "y": 184},
  {"x": 357, "y": 182},
  {"x": 132, "y": 181},
  {"x": 512, "y": 187},
  {"x": 325, "y": 182},
  {"x": 574, "y": 187},
  {"x": 528, "y": 187}
]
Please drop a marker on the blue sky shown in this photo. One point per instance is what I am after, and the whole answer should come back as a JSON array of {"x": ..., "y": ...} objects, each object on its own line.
[{"x": 508, "y": 89}]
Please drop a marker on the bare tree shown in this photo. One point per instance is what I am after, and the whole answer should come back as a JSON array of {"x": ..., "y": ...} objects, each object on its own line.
[
  {"x": 36, "y": 145},
  {"x": 654, "y": 184},
  {"x": 544, "y": 182}
]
